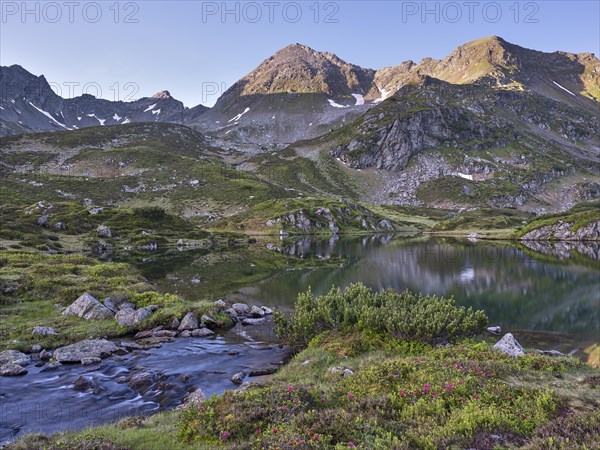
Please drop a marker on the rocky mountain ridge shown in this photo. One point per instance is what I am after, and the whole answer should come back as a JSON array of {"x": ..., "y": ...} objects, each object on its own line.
[{"x": 28, "y": 104}]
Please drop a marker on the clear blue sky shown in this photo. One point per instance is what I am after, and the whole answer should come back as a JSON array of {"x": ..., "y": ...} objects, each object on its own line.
[{"x": 183, "y": 45}]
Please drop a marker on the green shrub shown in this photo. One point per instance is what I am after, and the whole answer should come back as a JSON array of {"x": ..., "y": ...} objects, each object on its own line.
[
  {"x": 428, "y": 319},
  {"x": 154, "y": 298}
]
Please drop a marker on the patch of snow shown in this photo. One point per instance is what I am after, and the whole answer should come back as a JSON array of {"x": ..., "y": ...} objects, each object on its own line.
[
  {"x": 360, "y": 100},
  {"x": 78, "y": 118},
  {"x": 465, "y": 176},
  {"x": 20, "y": 122},
  {"x": 310, "y": 124},
  {"x": 239, "y": 116},
  {"x": 12, "y": 101},
  {"x": 126, "y": 121},
  {"x": 97, "y": 118},
  {"x": 217, "y": 121},
  {"x": 334, "y": 104},
  {"x": 150, "y": 107},
  {"x": 384, "y": 94},
  {"x": 1, "y": 108},
  {"x": 62, "y": 115},
  {"x": 48, "y": 115},
  {"x": 273, "y": 117},
  {"x": 229, "y": 131},
  {"x": 117, "y": 117},
  {"x": 156, "y": 111},
  {"x": 564, "y": 88}
]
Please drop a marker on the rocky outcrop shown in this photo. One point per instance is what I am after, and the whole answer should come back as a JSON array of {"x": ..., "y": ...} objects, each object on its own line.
[
  {"x": 345, "y": 216},
  {"x": 88, "y": 308},
  {"x": 93, "y": 348},
  {"x": 563, "y": 231},
  {"x": 390, "y": 146},
  {"x": 565, "y": 249}
]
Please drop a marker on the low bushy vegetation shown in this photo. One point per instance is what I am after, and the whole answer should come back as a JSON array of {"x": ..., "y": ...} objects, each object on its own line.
[{"x": 408, "y": 316}]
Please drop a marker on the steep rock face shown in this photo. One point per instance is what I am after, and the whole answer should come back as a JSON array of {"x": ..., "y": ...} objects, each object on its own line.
[
  {"x": 416, "y": 118},
  {"x": 563, "y": 231},
  {"x": 394, "y": 144}
]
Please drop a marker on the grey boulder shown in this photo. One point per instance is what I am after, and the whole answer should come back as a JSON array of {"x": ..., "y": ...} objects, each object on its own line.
[
  {"x": 133, "y": 317},
  {"x": 509, "y": 345},
  {"x": 189, "y": 322},
  {"x": 88, "y": 308},
  {"x": 43, "y": 331},
  {"x": 92, "y": 348},
  {"x": 103, "y": 231},
  {"x": 241, "y": 309},
  {"x": 13, "y": 357},
  {"x": 253, "y": 321},
  {"x": 257, "y": 312},
  {"x": 238, "y": 378},
  {"x": 194, "y": 398},
  {"x": 202, "y": 332},
  {"x": 10, "y": 370}
]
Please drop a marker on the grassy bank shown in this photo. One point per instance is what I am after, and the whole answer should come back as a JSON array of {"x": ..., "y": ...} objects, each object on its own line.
[{"x": 367, "y": 382}]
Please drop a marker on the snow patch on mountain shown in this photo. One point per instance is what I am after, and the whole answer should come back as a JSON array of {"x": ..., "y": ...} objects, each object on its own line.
[
  {"x": 384, "y": 94},
  {"x": 465, "y": 176},
  {"x": 150, "y": 107},
  {"x": 564, "y": 88},
  {"x": 47, "y": 114},
  {"x": 239, "y": 116},
  {"x": 116, "y": 117},
  {"x": 335, "y": 105},
  {"x": 360, "y": 100},
  {"x": 97, "y": 118}
]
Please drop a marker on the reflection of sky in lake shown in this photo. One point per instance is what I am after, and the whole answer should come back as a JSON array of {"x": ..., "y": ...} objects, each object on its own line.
[{"x": 516, "y": 290}]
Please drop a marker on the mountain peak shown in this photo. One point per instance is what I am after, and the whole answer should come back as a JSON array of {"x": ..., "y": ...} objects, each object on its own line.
[
  {"x": 299, "y": 69},
  {"x": 162, "y": 95}
]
